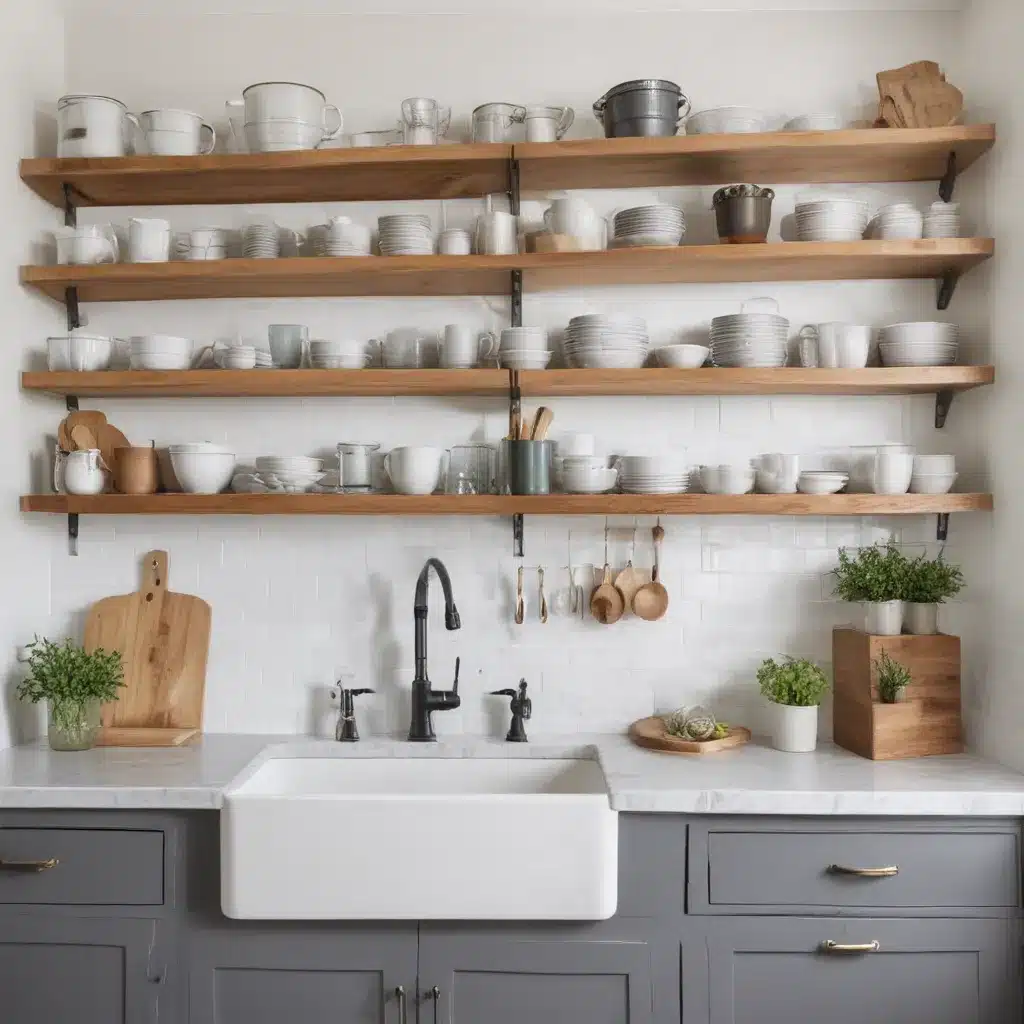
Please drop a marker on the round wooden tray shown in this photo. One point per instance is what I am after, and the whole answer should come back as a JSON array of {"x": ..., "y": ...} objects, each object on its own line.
[{"x": 651, "y": 733}]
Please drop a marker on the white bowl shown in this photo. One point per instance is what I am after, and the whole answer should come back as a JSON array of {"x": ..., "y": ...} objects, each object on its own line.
[
  {"x": 525, "y": 360},
  {"x": 821, "y": 483},
  {"x": 726, "y": 479},
  {"x": 595, "y": 481},
  {"x": 78, "y": 352},
  {"x": 159, "y": 361},
  {"x": 920, "y": 331},
  {"x": 932, "y": 483},
  {"x": 203, "y": 472},
  {"x": 199, "y": 448},
  {"x": 687, "y": 357},
  {"x": 652, "y": 465},
  {"x": 813, "y": 123},
  {"x": 929, "y": 465},
  {"x": 726, "y": 119}
]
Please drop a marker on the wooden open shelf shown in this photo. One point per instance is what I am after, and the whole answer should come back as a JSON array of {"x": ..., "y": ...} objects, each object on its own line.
[
  {"x": 323, "y": 176},
  {"x": 491, "y": 275},
  {"x": 506, "y": 505},
  {"x": 770, "y": 158},
  {"x": 533, "y": 383},
  {"x": 460, "y": 171}
]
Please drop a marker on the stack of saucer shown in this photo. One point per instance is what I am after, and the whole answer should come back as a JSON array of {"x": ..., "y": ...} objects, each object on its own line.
[
  {"x": 406, "y": 234},
  {"x": 654, "y": 474},
  {"x": 942, "y": 220},
  {"x": 649, "y": 225},
  {"x": 899, "y": 220},
  {"x": 831, "y": 219},
  {"x": 261, "y": 242},
  {"x": 293, "y": 473}
]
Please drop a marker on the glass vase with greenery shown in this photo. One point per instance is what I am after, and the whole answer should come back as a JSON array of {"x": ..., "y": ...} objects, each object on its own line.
[
  {"x": 893, "y": 679},
  {"x": 74, "y": 683}
]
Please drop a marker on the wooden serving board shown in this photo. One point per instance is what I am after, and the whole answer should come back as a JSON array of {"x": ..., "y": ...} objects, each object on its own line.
[
  {"x": 164, "y": 640},
  {"x": 652, "y": 734}
]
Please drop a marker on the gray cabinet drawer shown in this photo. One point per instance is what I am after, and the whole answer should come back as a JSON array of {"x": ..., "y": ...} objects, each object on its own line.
[
  {"x": 820, "y": 868},
  {"x": 97, "y": 867}
]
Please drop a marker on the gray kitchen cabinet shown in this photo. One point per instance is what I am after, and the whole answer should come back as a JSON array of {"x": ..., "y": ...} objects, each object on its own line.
[
  {"x": 495, "y": 978},
  {"x": 776, "y": 971},
  {"x": 80, "y": 970},
  {"x": 277, "y": 974}
]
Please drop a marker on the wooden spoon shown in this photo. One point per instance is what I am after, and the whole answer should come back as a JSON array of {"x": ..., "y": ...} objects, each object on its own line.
[
  {"x": 82, "y": 439},
  {"x": 606, "y": 602},
  {"x": 651, "y": 600},
  {"x": 542, "y": 423}
]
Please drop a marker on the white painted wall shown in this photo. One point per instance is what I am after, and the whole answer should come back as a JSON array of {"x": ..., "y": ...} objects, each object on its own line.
[
  {"x": 296, "y": 601},
  {"x": 988, "y": 69},
  {"x": 31, "y": 79}
]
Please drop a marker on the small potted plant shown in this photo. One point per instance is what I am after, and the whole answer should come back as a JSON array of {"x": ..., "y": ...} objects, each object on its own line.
[
  {"x": 893, "y": 679},
  {"x": 929, "y": 582},
  {"x": 794, "y": 690},
  {"x": 876, "y": 578},
  {"x": 74, "y": 683}
]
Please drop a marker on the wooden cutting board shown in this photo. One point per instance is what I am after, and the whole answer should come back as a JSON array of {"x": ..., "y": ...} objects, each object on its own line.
[
  {"x": 164, "y": 640},
  {"x": 652, "y": 734}
]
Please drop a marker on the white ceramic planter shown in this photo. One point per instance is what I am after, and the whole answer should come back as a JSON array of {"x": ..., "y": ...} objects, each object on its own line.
[
  {"x": 883, "y": 618},
  {"x": 921, "y": 619},
  {"x": 794, "y": 729}
]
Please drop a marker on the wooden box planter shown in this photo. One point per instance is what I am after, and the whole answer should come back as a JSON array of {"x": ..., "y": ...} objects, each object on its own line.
[{"x": 927, "y": 720}]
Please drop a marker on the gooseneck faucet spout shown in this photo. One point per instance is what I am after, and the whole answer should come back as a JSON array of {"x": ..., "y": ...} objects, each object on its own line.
[{"x": 424, "y": 698}]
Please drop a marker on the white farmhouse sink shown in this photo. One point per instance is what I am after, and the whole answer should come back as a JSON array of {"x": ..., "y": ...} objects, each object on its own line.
[{"x": 341, "y": 838}]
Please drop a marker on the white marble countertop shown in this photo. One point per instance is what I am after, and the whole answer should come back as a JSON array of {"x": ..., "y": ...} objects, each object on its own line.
[{"x": 751, "y": 780}]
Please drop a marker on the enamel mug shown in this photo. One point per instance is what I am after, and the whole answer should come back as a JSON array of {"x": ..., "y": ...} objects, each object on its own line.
[
  {"x": 149, "y": 240},
  {"x": 176, "y": 133},
  {"x": 548, "y": 124},
  {"x": 89, "y": 126}
]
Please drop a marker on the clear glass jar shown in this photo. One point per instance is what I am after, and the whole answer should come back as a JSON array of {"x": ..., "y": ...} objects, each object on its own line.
[{"x": 73, "y": 725}]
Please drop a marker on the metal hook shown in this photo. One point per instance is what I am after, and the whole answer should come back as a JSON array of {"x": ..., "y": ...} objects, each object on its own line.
[{"x": 605, "y": 540}]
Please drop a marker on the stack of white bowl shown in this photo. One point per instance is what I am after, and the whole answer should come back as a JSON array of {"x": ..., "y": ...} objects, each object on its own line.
[
  {"x": 821, "y": 482},
  {"x": 749, "y": 339},
  {"x": 653, "y": 474},
  {"x": 78, "y": 350},
  {"x": 942, "y": 220},
  {"x": 344, "y": 237},
  {"x": 726, "y": 478},
  {"x": 925, "y": 343},
  {"x": 337, "y": 354},
  {"x": 862, "y": 463},
  {"x": 201, "y": 467},
  {"x": 596, "y": 340},
  {"x": 406, "y": 234},
  {"x": 524, "y": 348},
  {"x": 833, "y": 219},
  {"x": 813, "y": 123},
  {"x": 292, "y": 473},
  {"x": 649, "y": 225},
  {"x": 892, "y": 472},
  {"x": 933, "y": 474},
  {"x": 261, "y": 242},
  {"x": 159, "y": 352},
  {"x": 586, "y": 474},
  {"x": 898, "y": 220},
  {"x": 726, "y": 119}
]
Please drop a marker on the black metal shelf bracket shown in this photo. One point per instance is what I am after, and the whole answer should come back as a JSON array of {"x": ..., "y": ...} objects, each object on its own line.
[
  {"x": 948, "y": 182},
  {"x": 516, "y": 316},
  {"x": 947, "y": 286},
  {"x": 943, "y": 402},
  {"x": 942, "y": 526},
  {"x": 71, "y": 403},
  {"x": 71, "y": 303},
  {"x": 73, "y": 534},
  {"x": 517, "y": 535},
  {"x": 70, "y": 211},
  {"x": 517, "y": 298}
]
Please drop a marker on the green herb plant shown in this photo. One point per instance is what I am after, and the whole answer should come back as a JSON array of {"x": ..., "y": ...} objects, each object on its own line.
[
  {"x": 878, "y": 573},
  {"x": 799, "y": 684},
  {"x": 69, "y": 678},
  {"x": 932, "y": 580},
  {"x": 893, "y": 678}
]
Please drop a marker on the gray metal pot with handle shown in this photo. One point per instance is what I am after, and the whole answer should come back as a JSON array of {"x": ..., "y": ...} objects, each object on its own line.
[{"x": 645, "y": 106}]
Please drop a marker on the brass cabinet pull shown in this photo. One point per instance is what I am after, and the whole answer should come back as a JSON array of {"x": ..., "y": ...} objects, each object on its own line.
[
  {"x": 828, "y": 946},
  {"x": 28, "y": 865},
  {"x": 886, "y": 872},
  {"x": 402, "y": 1009}
]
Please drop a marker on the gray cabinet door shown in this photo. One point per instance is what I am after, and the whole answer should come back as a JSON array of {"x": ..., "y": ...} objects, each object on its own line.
[
  {"x": 79, "y": 970},
  {"x": 775, "y": 971},
  {"x": 511, "y": 979},
  {"x": 315, "y": 975}
]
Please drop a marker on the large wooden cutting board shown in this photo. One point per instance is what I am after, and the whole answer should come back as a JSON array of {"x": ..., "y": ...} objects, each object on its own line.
[{"x": 164, "y": 640}]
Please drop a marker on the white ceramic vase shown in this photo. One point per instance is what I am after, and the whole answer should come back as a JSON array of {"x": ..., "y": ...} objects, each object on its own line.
[
  {"x": 794, "y": 729},
  {"x": 883, "y": 618},
  {"x": 921, "y": 619}
]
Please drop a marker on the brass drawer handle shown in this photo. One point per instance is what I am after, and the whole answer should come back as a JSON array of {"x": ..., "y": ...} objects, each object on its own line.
[
  {"x": 28, "y": 865},
  {"x": 828, "y": 946},
  {"x": 887, "y": 872}
]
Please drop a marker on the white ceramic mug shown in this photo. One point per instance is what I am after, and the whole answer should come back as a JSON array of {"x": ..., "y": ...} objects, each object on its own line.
[
  {"x": 275, "y": 113},
  {"x": 415, "y": 470},
  {"x": 462, "y": 348},
  {"x": 573, "y": 216},
  {"x": 91, "y": 126},
  {"x": 83, "y": 472},
  {"x": 405, "y": 348},
  {"x": 208, "y": 244},
  {"x": 176, "y": 133},
  {"x": 548, "y": 124},
  {"x": 355, "y": 466},
  {"x": 892, "y": 473},
  {"x": 777, "y": 473},
  {"x": 149, "y": 240},
  {"x": 455, "y": 242},
  {"x": 835, "y": 346},
  {"x": 87, "y": 245},
  {"x": 287, "y": 344},
  {"x": 496, "y": 234}
]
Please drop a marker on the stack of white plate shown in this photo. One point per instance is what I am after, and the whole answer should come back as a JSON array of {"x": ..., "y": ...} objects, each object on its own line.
[
  {"x": 925, "y": 343},
  {"x": 942, "y": 220},
  {"x": 406, "y": 234},
  {"x": 837, "y": 219},
  {"x": 749, "y": 339},
  {"x": 649, "y": 225},
  {"x": 261, "y": 242},
  {"x": 653, "y": 474},
  {"x": 899, "y": 220},
  {"x": 293, "y": 473},
  {"x": 596, "y": 340}
]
